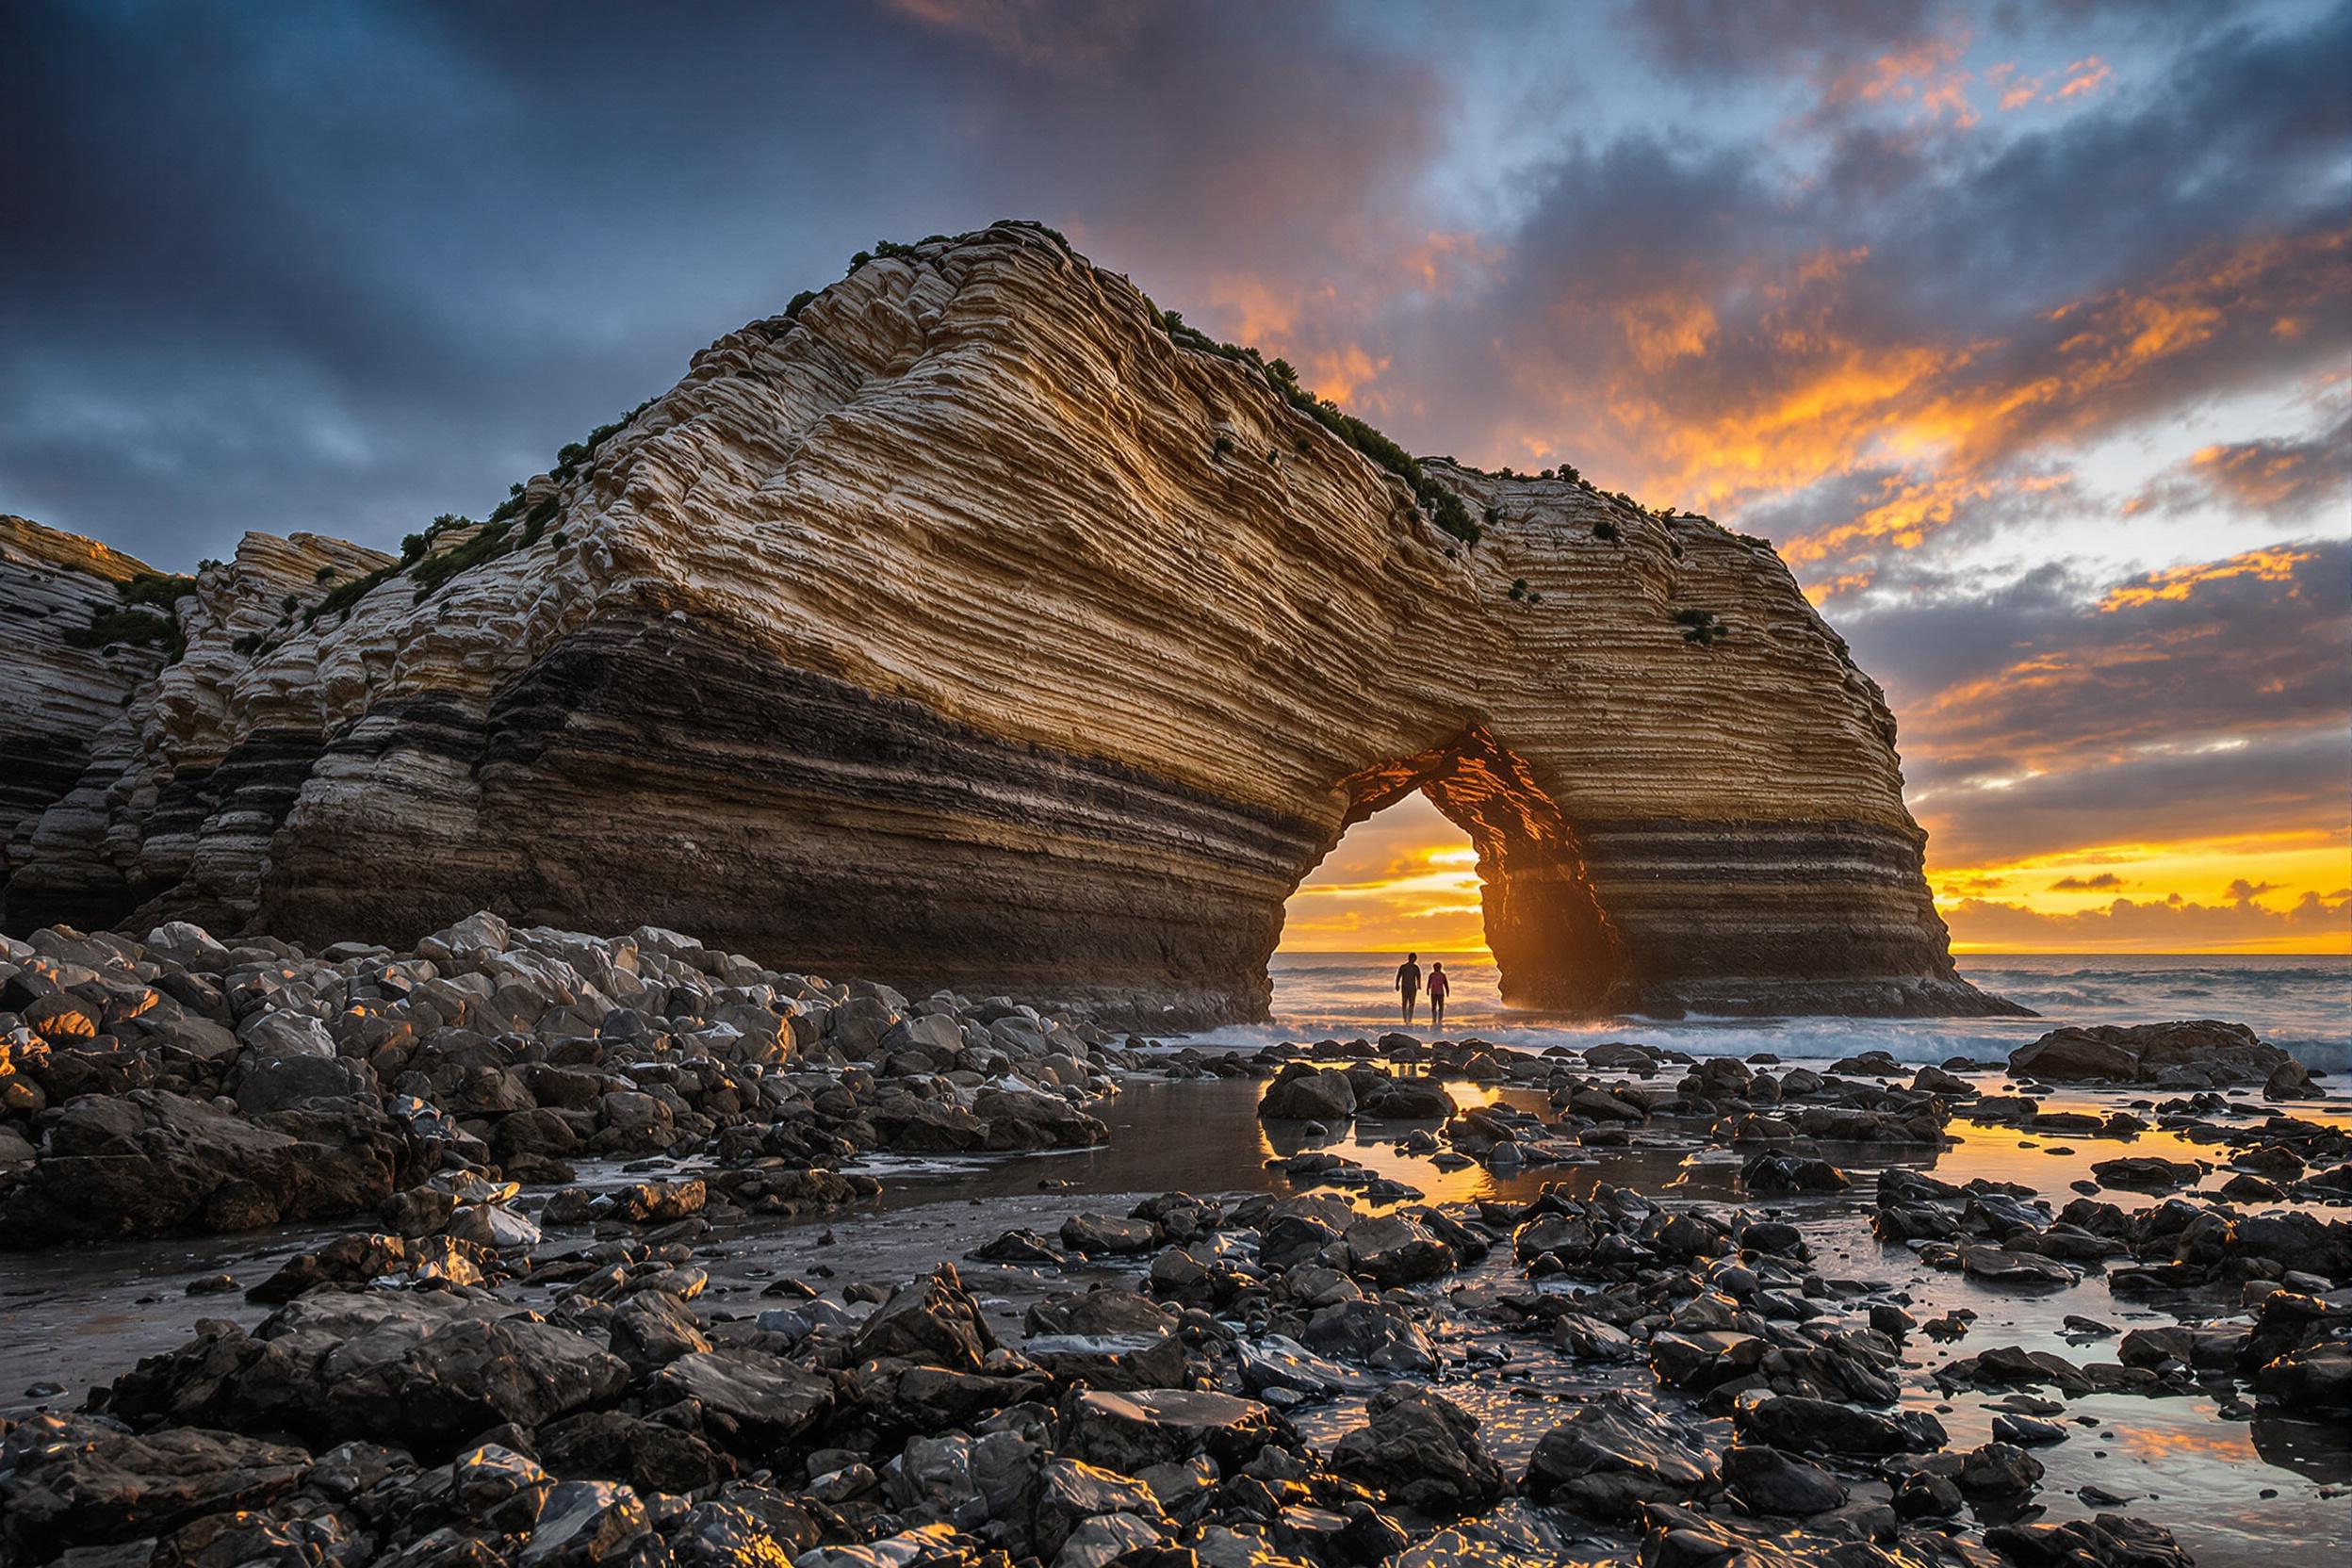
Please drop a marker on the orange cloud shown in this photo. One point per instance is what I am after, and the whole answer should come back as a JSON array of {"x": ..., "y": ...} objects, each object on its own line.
[
  {"x": 2275, "y": 565},
  {"x": 2084, "y": 76},
  {"x": 1926, "y": 75}
]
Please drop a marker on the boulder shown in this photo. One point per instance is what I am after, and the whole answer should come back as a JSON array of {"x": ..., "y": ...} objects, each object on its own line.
[
  {"x": 933, "y": 1320},
  {"x": 1614, "y": 1458},
  {"x": 1420, "y": 1449},
  {"x": 1767, "y": 1480},
  {"x": 1131, "y": 1432},
  {"x": 752, "y": 1399},
  {"x": 1302, "y": 1093},
  {"x": 2204, "y": 1050},
  {"x": 1810, "y": 1425},
  {"x": 73, "y": 1481},
  {"x": 153, "y": 1163},
  {"x": 1398, "y": 1250},
  {"x": 418, "y": 1370}
]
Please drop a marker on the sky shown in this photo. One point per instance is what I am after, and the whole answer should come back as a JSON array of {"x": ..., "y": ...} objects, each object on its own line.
[{"x": 2022, "y": 331}]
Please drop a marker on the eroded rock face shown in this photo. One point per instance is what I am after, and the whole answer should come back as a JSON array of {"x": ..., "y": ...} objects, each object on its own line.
[
  {"x": 967, "y": 624},
  {"x": 62, "y": 692}
]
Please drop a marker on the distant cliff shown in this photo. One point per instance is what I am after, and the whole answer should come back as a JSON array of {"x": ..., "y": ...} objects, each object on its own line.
[{"x": 975, "y": 623}]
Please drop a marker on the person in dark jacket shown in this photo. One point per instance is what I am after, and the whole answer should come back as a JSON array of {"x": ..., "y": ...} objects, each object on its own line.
[{"x": 1409, "y": 982}]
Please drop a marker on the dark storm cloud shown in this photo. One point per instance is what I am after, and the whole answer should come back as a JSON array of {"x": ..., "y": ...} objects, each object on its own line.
[
  {"x": 2033, "y": 719},
  {"x": 2238, "y": 647},
  {"x": 345, "y": 268}
]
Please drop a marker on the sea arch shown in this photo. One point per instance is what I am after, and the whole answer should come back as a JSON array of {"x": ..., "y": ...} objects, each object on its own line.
[{"x": 1553, "y": 943}]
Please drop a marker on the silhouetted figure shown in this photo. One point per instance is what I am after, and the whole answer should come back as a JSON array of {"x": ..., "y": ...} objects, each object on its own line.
[
  {"x": 1409, "y": 982},
  {"x": 1439, "y": 986}
]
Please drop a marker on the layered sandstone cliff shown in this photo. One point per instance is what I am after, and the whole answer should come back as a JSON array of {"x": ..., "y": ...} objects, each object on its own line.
[
  {"x": 967, "y": 626},
  {"x": 64, "y": 680}
]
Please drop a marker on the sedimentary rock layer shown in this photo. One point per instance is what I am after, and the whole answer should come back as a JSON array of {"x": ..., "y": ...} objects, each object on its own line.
[
  {"x": 60, "y": 689},
  {"x": 965, "y": 625}
]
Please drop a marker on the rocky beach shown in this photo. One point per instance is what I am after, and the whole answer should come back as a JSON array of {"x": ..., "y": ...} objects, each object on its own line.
[{"x": 530, "y": 1247}]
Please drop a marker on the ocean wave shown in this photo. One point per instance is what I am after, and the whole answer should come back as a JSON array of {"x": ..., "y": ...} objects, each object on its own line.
[{"x": 2302, "y": 1006}]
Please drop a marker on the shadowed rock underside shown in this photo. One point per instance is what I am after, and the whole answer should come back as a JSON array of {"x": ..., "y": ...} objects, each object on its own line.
[{"x": 965, "y": 628}]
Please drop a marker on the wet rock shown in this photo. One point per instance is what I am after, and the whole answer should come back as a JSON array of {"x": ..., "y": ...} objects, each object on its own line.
[
  {"x": 2026, "y": 1431},
  {"x": 613, "y": 1444},
  {"x": 582, "y": 1524},
  {"x": 2107, "y": 1540},
  {"x": 1372, "y": 1332},
  {"x": 2200, "y": 1051},
  {"x": 934, "y": 1319},
  {"x": 1421, "y": 1450},
  {"x": 1405, "y": 1100},
  {"x": 1788, "y": 1173},
  {"x": 73, "y": 1481},
  {"x": 1025, "y": 1247},
  {"x": 2148, "y": 1173},
  {"x": 748, "y": 1398},
  {"x": 1092, "y": 1233},
  {"x": 1302, "y": 1092},
  {"x": 749, "y": 1528},
  {"x": 153, "y": 1163},
  {"x": 1923, "y": 1494},
  {"x": 1277, "y": 1363},
  {"x": 1131, "y": 1432},
  {"x": 1812, "y": 1426},
  {"x": 1070, "y": 1494},
  {"x": 2317, "y": 1376},
  {"x": 1398, "y": 1250},
  {"x": 653, "y": 1328},
  {"x": 2000, "y": 1266},
  {"x": 1998, "y": 1470},
  {"x": 421, "y": 1370},
  {"x": 1767, "y": 1480},
  {"x": 1591, "y": 1339},
  {"x": 1616, "y": 1456}
]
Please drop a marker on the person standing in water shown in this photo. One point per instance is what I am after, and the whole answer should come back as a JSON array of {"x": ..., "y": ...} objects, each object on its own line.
[
  {"x": 1439, "y": 986},
  {"x": 1409, "y": 982}
]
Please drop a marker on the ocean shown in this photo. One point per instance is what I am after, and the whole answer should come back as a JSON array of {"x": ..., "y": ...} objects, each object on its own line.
[{"x": 2302, "y": 1005}]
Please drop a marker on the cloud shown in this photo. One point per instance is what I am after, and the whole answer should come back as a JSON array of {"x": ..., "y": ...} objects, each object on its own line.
[
  {"x": 2175, "y": 925},
  {"x": 2289, "y": 478},
  {"x": 2043, "y": 713},
  {"x": 2105, "y": 881},
  {"x": 2243, "y": 892},
  {"x": 350, "y": 269}
]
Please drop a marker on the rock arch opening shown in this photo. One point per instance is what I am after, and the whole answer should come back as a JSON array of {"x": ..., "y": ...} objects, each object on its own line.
[
  {"x": 1554, "y": 944},
  {"x": 1404, "y": 878}
]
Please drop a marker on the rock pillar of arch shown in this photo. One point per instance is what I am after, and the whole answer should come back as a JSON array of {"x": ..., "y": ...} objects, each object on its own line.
[{"x": 1554, "y": 944}]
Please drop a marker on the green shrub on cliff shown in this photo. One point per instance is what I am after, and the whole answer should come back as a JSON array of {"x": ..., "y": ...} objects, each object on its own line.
[
  {"x": 134, "y": 627},
  {"x": 164, "y": 590},
  {"x": 435, "y": 570},
  {"x": 149, "y": 616},
  {"x": 1702, "y": 627}
]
